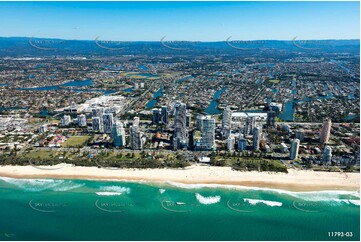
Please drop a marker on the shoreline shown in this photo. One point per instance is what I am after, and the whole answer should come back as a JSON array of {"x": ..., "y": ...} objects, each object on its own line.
[{"x": 197, "y": 175}]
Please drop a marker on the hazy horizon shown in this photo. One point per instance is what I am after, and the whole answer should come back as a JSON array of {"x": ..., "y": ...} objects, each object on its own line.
[
  {"x": 181, "y": 21},
  {"x": 166, "y": 40}
]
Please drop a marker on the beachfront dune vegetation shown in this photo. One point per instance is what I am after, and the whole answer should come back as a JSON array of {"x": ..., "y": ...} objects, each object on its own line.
[
  {"x": 259, "y": 165},
  {"x": 106, "y": 159}
]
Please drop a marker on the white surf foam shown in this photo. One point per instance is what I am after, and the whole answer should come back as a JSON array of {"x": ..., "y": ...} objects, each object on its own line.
[
  {"x": 108, "y": 193},
  {"x": 38, "y": 185},
  {"x": 208, "y": 200},
  {"x": 268, "y": 203},
  {"x": 325, "y": 195},
  {"x": 117, "y": 189},
  {"x": 347, "y": 201},
  {"x": 67, "y": 186},
  {"x": 355, "y": 202},
  {"x": 33, "y": 185}
]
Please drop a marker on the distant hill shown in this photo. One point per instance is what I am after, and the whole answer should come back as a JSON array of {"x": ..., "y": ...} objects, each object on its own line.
[{"x": 24, "y": 46}]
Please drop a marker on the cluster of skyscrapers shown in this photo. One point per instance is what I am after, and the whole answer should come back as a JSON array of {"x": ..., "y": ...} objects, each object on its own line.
[
  {"x": 251, "y": 128},
  {"x": 80, "y": 120},
  {"x": 324, "y": 139},
  {"x": 202, "y": 137}
]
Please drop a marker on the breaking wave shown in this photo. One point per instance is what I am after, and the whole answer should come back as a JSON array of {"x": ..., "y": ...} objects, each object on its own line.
[
  {"x": 325, "y": 195},
  {"x": 108, "y": 193},
  {"x": 37, "y": 185},
  {"x": 116, "y": 189},
  {"x": 208, "y": 200},
  {"x": 268, "y": 203}
]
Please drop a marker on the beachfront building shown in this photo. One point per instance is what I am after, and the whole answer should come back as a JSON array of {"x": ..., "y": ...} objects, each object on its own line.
[
  {"x": 327, "y": 155},
  {"x": 357, "y": 156},
  {"x": 271, "y": 118},
  {"x": 230, "y": 143},
  {"x": 284, "y": 148},
  {"x": 97, "y": 112},
  {"x": 208, "y": 133},
  {"x": 242, "y": 142},
  {"x": 189, "y": 120},
  {"x": 97, "y": 124},
  {"x": 81, "y": 120},
  {"x": 295, "y": 145},
  {"x": 207, "y": 141},
  {"x": 249, "y": 126},
  {"x": 226, "y": 122},
  {"x": 326, "y": 131},
  {"x": 136, "y": 142},
  {"x": 199, "y": 122},
  {"x": 256, "y": 137},
  {"x": 118, "y": 134},
  {"x": 65, "y": 120},
  {"x": 97, "y": 119},
  {"x": 180, "y": 126},
  {"x": 108, "y": 122}
]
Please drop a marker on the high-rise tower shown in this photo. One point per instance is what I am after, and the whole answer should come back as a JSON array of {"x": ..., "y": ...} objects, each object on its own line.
[
  {"x": 180, "y": 126},
  {"x": 118, "y": 134},
  {"x": 135, "y": 138},
  {"x": 107, "y": 122},
  {"x": 326, "y": 131},
  {"x": 256, "y": 137},
  {"x": 208, "y": 133},
  {"x": 226, "y": 122},
  {"x": 295, "y": 144}
]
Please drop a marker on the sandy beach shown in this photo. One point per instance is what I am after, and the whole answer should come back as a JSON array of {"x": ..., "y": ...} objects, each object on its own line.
[{"x": 295, "y": 180}]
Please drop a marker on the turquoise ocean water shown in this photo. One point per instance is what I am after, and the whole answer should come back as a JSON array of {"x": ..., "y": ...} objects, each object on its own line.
[{"x": 50, "y": 209}]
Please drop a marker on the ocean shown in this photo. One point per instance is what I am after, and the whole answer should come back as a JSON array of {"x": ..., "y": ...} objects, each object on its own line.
[{"x": 54, "y": 209}]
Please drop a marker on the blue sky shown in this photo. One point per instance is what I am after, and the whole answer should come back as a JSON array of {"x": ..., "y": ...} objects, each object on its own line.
[{"x": 193, "y": 21}]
